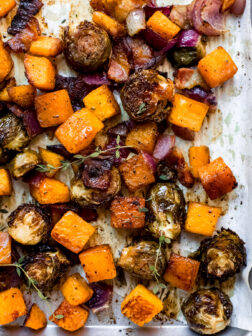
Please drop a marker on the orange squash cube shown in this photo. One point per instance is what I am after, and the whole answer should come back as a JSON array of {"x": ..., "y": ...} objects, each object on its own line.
[
  {"x": 46, "y": 46},
  {"x": 202, "y": 219},
  {"x": 187, "y": 113},
  {"x": 141, "y": 305},
  {"x": 74, "y": 318},
  {"x": 78, "y": 131},
  {"x": 5, "y": 248},
  {"x": 5, "y": 61},
  {"x": 217, "y": 178},
  {"x": 53, "y": 108},
  {"x": 181, "y": 272},
  {"x": 51, "y": 158},
  {"x": 72, "y": 232},
  {"x": 12, "y": 305},
  {"x": 102, "y": 103},
  {"x": 5, "y": 183},
  {"x": 163, "y": 26},
  {"x": 6, "y": 6},
  {"x": 227, "y": 4},
  {"x": 40, "y": 72},
  {"x": 217, "y": 67},
  {"x": 198, "y": 157},
  {"x": 136, "y": 173},
  {"x": 112, "y": 27},
  {"x": 22, "y": 95},
  {"x": 36, "y": 318},
  {"x": 98, "y": 263},
  {"x": 126, "y": 213},
  {"x": 75, "y": 290}
]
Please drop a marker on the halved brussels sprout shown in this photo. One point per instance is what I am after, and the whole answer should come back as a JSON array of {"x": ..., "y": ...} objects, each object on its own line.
[
  {"x": 167, "y": 204},
  {"x": 29, "y": 224},
  {"x": 85, "y": 196},
  {"x": 138, "y": 259},
  {"x": 23, "y": 163},
  {"x": 222, "y": 255},
  {"x": 208, "y": 311},
  {"x": 13, "y": 136},
  {"x": 188, "y": 56}
]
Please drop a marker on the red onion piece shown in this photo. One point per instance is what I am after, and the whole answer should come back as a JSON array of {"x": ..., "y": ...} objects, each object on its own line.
[
  {"x": 135, "y": 21},
  {"x": 99, "y": 78},
  {"x": 124, "y": 152},
  {"x": 151, "y": 162},
  {"x": 199, "y": 94},
  {"x": 238, "y": 7},
  {"x": 101, "y": 298},
  {"x": 164, "y": 145},
  {"x": 89, "y": 215},
  {"x": 188, "y": 38},
  {"x": 150, "y": 10},
  {"x": 31, "y": 123},
  {"x": 122, "y": 128},
  {"x": 183, "y": 133},
  {"x": 34, "y": 178},
  {"x": 59, "y": 149},
  {"x": 157, "y": 42}
]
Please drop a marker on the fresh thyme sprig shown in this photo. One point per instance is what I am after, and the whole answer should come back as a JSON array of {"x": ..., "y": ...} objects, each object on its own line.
[
  {"x": 142, "y": 109},
  {"x": 80, "y": 158}
]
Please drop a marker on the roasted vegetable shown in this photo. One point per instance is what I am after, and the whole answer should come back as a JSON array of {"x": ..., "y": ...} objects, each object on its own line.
[
  {"x": 84, "y": 196},
  {"x": 23, "y": 163},
  {"x": 6, "y": 61},
  {"x": 87, "y": 48},
  {"x": 51, "y": 158},
  {"x": 207, "y": 311},
  {"x": 5, "y": 155},
  {"x": 96, "y": 173},
  {"x": 6, "y": 6},
  {"x": 5, "y": 248},
  {"x": 221, "y": 256},
  {"x": 163, "y": 26},
  {"x": 12, "y": 133},
  {"x": 36, "y": 318},
  {"x": 12, "y": 305},
  {"x": 98, "y": 263},
  {"x": 22, "y": 95},
  {"x": 46, "y": 46},
  {"x": 112, "y": 27},
  {"x": 146, "y": 94},
  {"x": 120, "y": 9},
  {"x": 75, "y": 290},
  {"x": 140, "y": 258},
  {"x": 45, "y": 267},
  {"x": 168, "y": 206},
  {"x": 4, "y": 95},
  {"x": 141, "y": 305},
  {"x": 186, "y": 57},
  {"x": 198, "y": 157},
  {"x": 166, "y": 172},
  {"x": 5, "y": 183}
]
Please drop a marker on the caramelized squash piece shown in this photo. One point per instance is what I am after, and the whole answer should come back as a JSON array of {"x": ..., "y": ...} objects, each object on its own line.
[
  {"x": 22, "y": 95},
  {"x": 6, "y": 6},
  {"x": 12, "y": 305},
  {"x": 5, "y": 183},
  {"x": 163, "y": 26},
  {"x": 198, "y": 157},
  {"x": 227, "y": 4},
  {"x": 51, "y": 158},
  {"x": 5, "y": 248},
  {"x": 5, "y": 61},
  {"x": 112, "y": 27},
  {"x": 36, "y": 318},
  {"x": 46, "y": 46},
  {"x": 75, "y": 290},
  {"x": 4, "y": 95}
]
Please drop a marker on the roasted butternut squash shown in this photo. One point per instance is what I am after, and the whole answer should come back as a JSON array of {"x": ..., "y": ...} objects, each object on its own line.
[
  {"x": 217, "y": 178},
  {"x": 75, "y": 290},
  {"x": 5, "y": 61},
  {"x": 141, "y": 305},
  {"x": 198, "y": 157},
  {"x": 51, "y": 158},
  {"x": 163, "y": 26},
  {"x": 112, "y": 27},
  {"x": 4, "y": 95},
  {"x": 5, "y": 183},
  {"x": 46, "y": 46},
  {"x": 36, "y": 318},
  {"x": 217, "y": 67},
  {"x": 98, "y": 263},
  {"x": 53, "y": 108},
  {"x": 5, "y": 248},
  {"x": 78, "y": 131},
  {"x": 12, "y": 305},
  {"x": 181, "y": 272},
  {"x": 226, "y": 4},
  {"x": 6, "y": 6},
  {"x": 22, "y": 95}
]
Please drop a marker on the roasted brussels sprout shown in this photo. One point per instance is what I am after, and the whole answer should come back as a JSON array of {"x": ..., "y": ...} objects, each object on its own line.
[
  {"x": 165, "y": 172},
  {"x": 222, "y": 255},
  {"x": 85, "y": 196},
  {"x": 23, "y": 163},
  {"x": 138, "y": 259},
  {"x": 46, "y": 267},
  {"x": 167, "y": 204},
  {"x": 87, "y": 48},
  {"x": 187, "y": 56},
  {"x": 12, "y": 133},
  {"x": 207, "y": 311},
  {"x": 146, "y": 94},
  {"x": 29, "y": 224},
  {"x": 5, "y": 156}
]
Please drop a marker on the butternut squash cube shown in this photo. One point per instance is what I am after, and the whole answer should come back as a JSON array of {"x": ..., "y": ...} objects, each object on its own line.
[
  {"x": 4, "y": 95},
  {"x": 136, "y": 173},
  {"x": 36, "y": 318},
  {"x": 50, "y": 191},
  {"x": 5, "y": 61},
  {"x": 12, "y": 305},
  {"x": 5, "y": 183},
  {"x": 126, "y": 213},
  {"x": 51, "y": 158},
  {"x": 6, "y": 6},
  {"x": 181, "y": 272},
  {"x": 78, "y": 131},
  {"x": 202, "y": 219},
  {"x": 22, "y": 95},
  {"x": 217, "y": 178},
  {"x": 141, "y": 305},
  {"x": 46, "y": 46},
  {"x": 112, "y": 27},
  {"x": 102, "y": 103},
  {"x": 98, "y": 263},
  {"x": 163, "y": 26},
  {"x": 5, "y": 248},
  {"x": 143, "y": 137},
  {"x": 40, "y": 72},
  {"x": 227, "y": 4},
  {"x": 198, "y": 157},
  {"x": 74, "y": 318},
  {"x": 53, "y": 108},
  {"x": 72, "y": 232},
  {"x": 187, "y": 112},
  {"x": 217, "y": 67},
  {"x": 75, "y": 290}
]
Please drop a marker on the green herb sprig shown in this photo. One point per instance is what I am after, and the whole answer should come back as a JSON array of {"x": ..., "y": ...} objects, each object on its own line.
[{"x": 142, "y": 109}]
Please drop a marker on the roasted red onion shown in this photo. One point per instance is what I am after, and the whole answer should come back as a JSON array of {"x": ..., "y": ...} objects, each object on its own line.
[
  {"x": 238, "y": 7},
  {"x": 135, "y": 21},
  {"x": 150, "y": 161},
  {"x": 157, "y": 42},
  {"x": 164, "y": 145},
  {"x": 31, "y": 123},
  {"x": 88, "y": 214},
  {"x": 123, "y": 152},
  {"x": 101, "y": 298},
  {"x": 150, "y": 10},
  {"x": 199, "y": 94},
  {"x": 188, "y": 38},
  {"x": 122, "y": 128},
  {"x": 183, "y": 133},
  {"x": 59, "y": 149}
]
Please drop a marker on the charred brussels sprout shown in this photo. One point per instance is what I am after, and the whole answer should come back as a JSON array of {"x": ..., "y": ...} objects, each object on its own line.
[
  {"x": 87, "y": 48},
  {"x": 146, "y": 94},
  {"x": 167, "y": 204},
  {"x": 166, "y": 172},
  {"x": 139, "y": 258},
  {"x": 208, "y": 311},
  {"x": 29, "y": 224},
  {"x": 94, "y": 197},
  {"x": 187, "y": 56},
  {"x": 23, "y": 163},
  {"x": 46, "y": 267},
  {"x": 222, "y": 255},
  {"x": 12, "y": 133}
]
